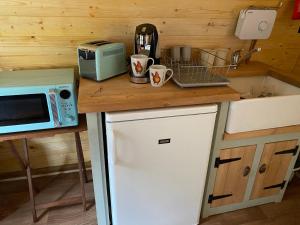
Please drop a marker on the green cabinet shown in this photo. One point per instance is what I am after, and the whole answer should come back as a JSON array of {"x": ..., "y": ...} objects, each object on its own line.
[{"x": 248, "y": 171}]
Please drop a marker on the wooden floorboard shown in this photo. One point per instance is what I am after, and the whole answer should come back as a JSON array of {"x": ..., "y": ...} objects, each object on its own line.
[{"x": 15, "y": 207}]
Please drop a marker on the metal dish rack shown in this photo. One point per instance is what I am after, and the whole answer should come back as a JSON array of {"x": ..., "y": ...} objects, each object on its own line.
[{"x": 197, "y": 72}]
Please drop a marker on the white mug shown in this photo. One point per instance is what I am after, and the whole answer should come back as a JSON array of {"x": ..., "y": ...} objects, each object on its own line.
[
  {"x": 221, "y": 57},
  {"x": 186, "y": 53},
  {"x": 158, "y": 75},
  {"x": 207, "y": 57},
  {"x": 175, "y": 52},
  {"x": 181, "y": 52},
  {"x": 139, "y": 64}
]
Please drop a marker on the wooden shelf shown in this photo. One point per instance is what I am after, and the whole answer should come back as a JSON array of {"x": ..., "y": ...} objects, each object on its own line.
[
  {"x": 46, "y": 133},
  {"x": 261, "y": 133}
]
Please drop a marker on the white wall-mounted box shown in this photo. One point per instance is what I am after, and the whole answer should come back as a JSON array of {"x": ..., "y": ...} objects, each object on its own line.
[{"x": 254, "y": 24}]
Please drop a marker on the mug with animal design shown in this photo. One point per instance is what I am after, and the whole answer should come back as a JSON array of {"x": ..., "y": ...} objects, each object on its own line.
[
  {"x": 139, "y": 64},
  {"x": 160, "y": 75}
]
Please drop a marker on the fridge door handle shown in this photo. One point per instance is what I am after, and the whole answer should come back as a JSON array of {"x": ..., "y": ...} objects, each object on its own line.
[{"x": 114, "y": 148}]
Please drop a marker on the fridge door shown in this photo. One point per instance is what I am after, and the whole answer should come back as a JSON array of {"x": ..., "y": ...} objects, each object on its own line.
[{"x": 157, "y": 169}]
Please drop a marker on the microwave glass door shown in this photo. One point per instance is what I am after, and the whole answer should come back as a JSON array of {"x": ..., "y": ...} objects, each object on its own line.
[{"x": 23, "y": 109}]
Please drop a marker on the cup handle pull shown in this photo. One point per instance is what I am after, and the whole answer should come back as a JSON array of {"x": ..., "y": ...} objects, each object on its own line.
[
  {"x": 262, "y": 168},
  {"x": 172, "y": 73},
  {"x": 246, "y": 171},
  {"x": 150, "y": 65}
]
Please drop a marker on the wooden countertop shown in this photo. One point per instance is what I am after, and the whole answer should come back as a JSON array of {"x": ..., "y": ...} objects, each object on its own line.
[
  {"x": 119, "y": 94},
  {"x": 261, "y": 69},
  {"x": 251, "y": 69}
]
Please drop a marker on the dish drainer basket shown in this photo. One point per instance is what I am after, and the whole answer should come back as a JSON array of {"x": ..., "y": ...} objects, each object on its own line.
[{"x": 199, "y": 72}]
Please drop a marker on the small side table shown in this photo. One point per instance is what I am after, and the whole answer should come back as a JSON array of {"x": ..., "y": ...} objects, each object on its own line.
[{"x": 25, "y": 163}]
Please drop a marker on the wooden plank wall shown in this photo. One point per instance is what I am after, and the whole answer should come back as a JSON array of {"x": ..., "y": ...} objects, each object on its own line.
[
  {"x": 282, "y": 50},
  {"x": 45, "y": 33},
  {"x": 297, "y": 66}
]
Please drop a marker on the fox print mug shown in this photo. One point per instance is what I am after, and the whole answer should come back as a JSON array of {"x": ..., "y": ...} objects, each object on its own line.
[
  {"x": 139, "y": 64},
  {"x": 158, "y": 75}
]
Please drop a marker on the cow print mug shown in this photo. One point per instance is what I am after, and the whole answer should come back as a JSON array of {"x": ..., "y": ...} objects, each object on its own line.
[
  {"x": 158, "y": 75},
  {"x": 139, "y": 64}
]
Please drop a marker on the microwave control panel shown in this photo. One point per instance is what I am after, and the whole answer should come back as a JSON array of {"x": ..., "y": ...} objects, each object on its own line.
[{"x": 68, "y": 107}]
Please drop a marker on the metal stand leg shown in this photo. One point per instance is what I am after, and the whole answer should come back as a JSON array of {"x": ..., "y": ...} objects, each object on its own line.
[
  {"x": 82, "y": 171},
  {"x": 80, "y": 155},
  {"x": 29, "y": 178},
  {"x": 20, "y": 159},
  {"x": 16, "y": 154}
]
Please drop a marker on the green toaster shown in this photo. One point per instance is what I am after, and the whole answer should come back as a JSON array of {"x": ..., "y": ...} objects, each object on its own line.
[{"x": 100, "y": 60}]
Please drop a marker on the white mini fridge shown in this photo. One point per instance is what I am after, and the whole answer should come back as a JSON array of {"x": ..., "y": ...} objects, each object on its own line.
[{"x": 157, "y": 164}]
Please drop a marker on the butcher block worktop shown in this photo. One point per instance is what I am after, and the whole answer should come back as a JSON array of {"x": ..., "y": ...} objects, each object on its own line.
[
  {"x": 119, "y": 94},
  {"x": 261, "y": 69}
]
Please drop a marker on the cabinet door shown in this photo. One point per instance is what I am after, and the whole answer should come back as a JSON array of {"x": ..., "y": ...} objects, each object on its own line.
[
  {"x": 273, "y": 167},
  {"x": 234, "y": 165}
]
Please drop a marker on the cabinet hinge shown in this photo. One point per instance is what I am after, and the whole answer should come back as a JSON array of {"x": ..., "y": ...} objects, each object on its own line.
[
  {"x": 281, "y": 186},
  {"x": 289, "y": 151},
  {"x": 211, "y": 198},
  {"x": 219, "y": 161}
]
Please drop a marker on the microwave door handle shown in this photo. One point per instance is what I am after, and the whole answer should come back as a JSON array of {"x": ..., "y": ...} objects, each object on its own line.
[
  {"x": 58, "y": 105},
  {"x": 54, "y": 107}
]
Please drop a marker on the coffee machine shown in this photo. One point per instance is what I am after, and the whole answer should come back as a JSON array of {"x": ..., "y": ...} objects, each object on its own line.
[{"x": 146, "y": 43}]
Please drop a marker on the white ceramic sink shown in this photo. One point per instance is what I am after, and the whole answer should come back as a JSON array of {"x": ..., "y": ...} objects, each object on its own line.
[{"x": 267, "y": 103}]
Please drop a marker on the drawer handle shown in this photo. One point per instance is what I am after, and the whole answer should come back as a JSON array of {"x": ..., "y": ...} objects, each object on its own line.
[
  {"x": 262, "y": 168},
  {"x": 246, "y": 171}
]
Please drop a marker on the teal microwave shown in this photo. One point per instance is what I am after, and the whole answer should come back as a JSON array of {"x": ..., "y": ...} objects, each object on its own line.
[
  {"x": 100, "y": 60},
  {"x": 37, "y": 100}
]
